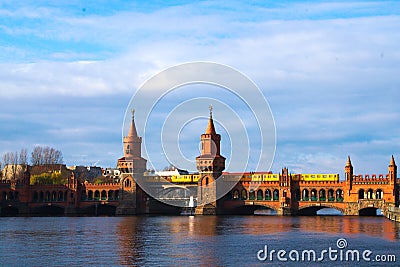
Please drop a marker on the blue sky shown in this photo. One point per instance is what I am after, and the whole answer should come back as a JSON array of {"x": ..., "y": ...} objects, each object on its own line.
[{"x": 329, "y": 70}]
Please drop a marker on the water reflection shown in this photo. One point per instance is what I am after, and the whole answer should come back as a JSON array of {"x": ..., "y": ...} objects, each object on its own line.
[
  {"x": 202, "y": 239},
  {"x": 145, "y": 238},
  {"x": 181, "y": 240}
]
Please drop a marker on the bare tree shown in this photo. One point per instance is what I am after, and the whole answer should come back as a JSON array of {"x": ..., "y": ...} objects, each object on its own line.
[
  {"x": 23, "y": 156},
  {"x": 6, "y": 162},
  {"x": 14, "y": 164},
  {"x": 37, "y": 156},
  {"x": 58, "y": 157},
  {"x": 1, "y": 170},
  {"x": 46, "y": 155}
]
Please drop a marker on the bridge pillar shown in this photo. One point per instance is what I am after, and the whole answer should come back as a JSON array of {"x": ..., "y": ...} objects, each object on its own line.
[
  {"x": 127, "y": 203},
  {"x": 284, "y": 211},
  {"x": 352, "y": 209}
]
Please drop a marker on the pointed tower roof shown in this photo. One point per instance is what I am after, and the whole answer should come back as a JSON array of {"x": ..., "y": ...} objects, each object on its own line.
[
  {"x": 132, "y": 129},
  {"x": 210, "y": 127},
  {"x": 392, "y": 163},
  {"x": 348, "y": 163}
]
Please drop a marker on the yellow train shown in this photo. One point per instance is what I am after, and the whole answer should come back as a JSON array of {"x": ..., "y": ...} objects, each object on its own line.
[{"x": 260, "y": 177}]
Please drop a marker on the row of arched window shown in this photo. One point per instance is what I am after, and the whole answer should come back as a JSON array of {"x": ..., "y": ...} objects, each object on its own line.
[
  {"x": 322, "y": 195},
  {"x": 10, "y": 195},
  {"x": 370, "y": 194},
  {"x": 49, "y": 196},
  {"x": 100, "y": 195},
  {"x": 306, "y": 195},
  {"x": 256, "y": 195}
]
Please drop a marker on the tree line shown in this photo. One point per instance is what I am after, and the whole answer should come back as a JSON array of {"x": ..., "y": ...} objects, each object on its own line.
[{"x": 40, "y": 155}]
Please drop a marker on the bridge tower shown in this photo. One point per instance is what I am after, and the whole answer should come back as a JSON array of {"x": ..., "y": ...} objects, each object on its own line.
[
  {"x": 210, "y": 165},
  {"x": 132, "y": 166},
  {"x": 392, "y": 171},
  {"x": 348, "y": 170}
]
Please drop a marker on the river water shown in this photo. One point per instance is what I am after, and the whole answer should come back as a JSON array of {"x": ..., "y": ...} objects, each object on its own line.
[{"x": 194, "y": 241}]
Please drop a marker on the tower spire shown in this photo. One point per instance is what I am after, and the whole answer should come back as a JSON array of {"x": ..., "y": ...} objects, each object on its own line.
[
  {"x": 132, "y": 129},
  {"x": 210, "y": 127},
  {"x": 348, "y": 163},
  {"x": 392, "y": 163}
]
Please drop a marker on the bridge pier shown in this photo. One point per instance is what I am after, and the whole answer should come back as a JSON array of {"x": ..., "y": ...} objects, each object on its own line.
[
  {"x": 207, "y": 209},
  {"x": 284, "y": 211}
]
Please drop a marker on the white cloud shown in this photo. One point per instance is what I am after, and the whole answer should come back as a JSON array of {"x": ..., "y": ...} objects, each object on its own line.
[{"x": 329, "y": 80}]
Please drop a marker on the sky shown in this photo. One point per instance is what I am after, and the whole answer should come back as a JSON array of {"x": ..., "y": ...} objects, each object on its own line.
[{"x": 328, "y": 69}]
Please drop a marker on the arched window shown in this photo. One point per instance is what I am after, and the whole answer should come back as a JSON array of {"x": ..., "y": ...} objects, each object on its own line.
[
  {"x": 276, "y": 195},
  {"x": 54, "y": 196},
  {"x": 244, "y": 194},
  {"x": 110, "y": 194},
  {"x": 331, "y": 195},
  {"x": 35, "y": 196},
  {"x": 103, "y": 195},
  {"x": 41, "y": 196},
  {"x": 260, "y": 195},
  {"x": 361, "y": 194},
  {"x": 47, "y": 196},
  {"x": 379, "y": 194},
  {"x": 305, "y": 195},
  {"x": 339, "y": 195},
  {"x": 60, "y": 196},
  {"x": 116, "y": 194},
  {"x": 97, "y": 195},
  {"x": 252, "y": 195},
  {"x": 267, "y": 194},
  {"x": 314, "y": 195},
  {"x": 370, "y": 194},
  {"x": 128, "y": 149},
  {"x": 322, "y": 195},
  {"x": 235, "y": 194},
  {"x": 83, "y": 195}
]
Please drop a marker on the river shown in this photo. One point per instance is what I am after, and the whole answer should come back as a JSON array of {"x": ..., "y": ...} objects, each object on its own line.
[{"x": 195, "y": 241}]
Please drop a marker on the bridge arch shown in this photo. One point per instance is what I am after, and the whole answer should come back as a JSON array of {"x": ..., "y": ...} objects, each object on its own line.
[
  {"x": 9, "y": 211},
  {"x": 99, "y": 209},
  {"x": 49, "y": 210},
  {"x": 313, "y": 209},
  {"x": 250, "y": 209},
  {"x": 368, "y": 211}
]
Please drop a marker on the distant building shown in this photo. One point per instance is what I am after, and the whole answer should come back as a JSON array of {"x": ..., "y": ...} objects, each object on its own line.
[
  {"x": 12, "y": 172},
  {"x": 86, "y": 173},
  {"x": 112, "y": 173}
]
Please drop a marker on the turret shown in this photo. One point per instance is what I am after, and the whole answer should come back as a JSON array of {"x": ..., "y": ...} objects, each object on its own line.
[
  {"x": 349, "y": 173},
  {"x": 392, "y": 171},
  {"x": 132, "y": 162},
  {"x": 210, "y": 164}
]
